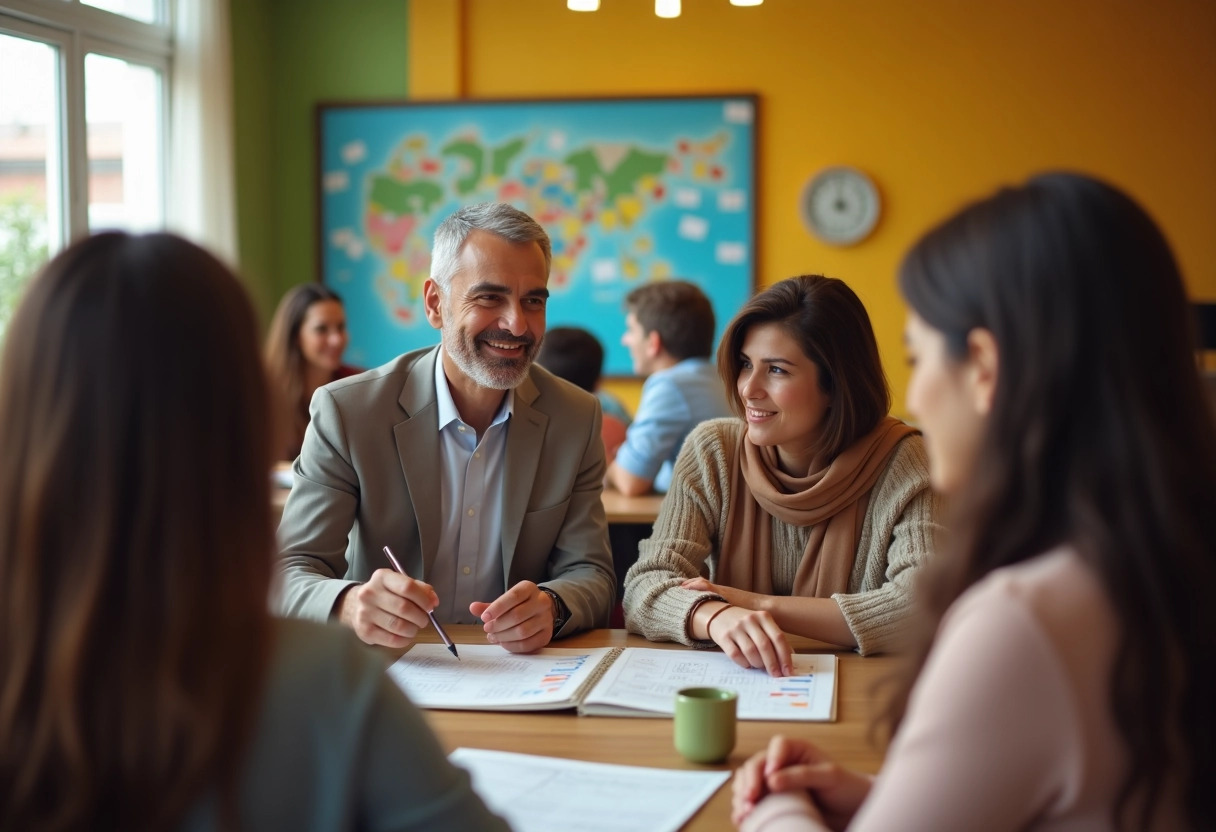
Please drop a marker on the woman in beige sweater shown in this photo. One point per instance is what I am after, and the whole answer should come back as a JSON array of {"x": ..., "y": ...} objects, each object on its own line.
[
  {"x": 1065, "y": 678},
  {"x": 810, "y": 515}
]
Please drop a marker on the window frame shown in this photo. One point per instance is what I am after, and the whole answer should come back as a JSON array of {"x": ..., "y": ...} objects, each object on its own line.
[{"x": 76, "y": 30}]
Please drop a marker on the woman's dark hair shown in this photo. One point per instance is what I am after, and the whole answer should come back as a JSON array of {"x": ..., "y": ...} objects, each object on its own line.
[
  {"x": 828, "y": 321},
  {"x": 1099, "y": 438},
  {"x": 285, "y": 363},
  {"x": 135, "y": 537}
]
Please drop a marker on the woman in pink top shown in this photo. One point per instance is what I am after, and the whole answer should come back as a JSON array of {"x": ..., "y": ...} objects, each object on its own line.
[{"x": 1065, "y": 677}]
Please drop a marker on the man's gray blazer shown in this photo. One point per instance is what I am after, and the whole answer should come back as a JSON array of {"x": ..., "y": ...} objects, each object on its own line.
[{"x": 370, "y": 469}]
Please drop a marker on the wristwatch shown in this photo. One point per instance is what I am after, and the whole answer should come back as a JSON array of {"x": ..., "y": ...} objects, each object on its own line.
[{"x": 561, "y": 614}]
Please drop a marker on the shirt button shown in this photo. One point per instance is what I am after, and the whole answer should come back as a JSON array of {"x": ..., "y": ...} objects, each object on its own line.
[
  {"x": 467, "y": 570},
  {"x": 460, "y": 428},
  {"x": 477, "y": 455},
  {"x": 470, "y": 512}
]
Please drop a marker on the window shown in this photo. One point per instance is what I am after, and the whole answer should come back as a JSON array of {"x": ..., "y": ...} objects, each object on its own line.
[
  {"x": 126, "y": 160},
  {"x": 145, "y": 10},
  {"x": 29, "y": 163},
  {"x": 83, "y": 110}
]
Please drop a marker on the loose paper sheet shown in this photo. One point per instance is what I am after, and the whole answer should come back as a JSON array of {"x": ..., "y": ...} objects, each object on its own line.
[{"x": 541, "y": 794}]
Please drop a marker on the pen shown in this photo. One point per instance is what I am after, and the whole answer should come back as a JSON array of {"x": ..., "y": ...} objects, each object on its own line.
[{"x": 429, "y": 614}]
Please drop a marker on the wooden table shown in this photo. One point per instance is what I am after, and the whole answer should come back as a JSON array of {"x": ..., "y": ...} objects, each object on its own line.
[
  {"x": 620, "y": 509},
  {"x": 648, "y": 742},
  {"x": 630, "y": 521}
]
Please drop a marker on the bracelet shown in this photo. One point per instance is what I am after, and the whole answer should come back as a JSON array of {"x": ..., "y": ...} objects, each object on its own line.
[{"x": 717, "y": 612}]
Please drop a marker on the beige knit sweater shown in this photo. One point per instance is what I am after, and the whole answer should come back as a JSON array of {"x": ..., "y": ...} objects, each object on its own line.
[{"x": 896, "y": 538}]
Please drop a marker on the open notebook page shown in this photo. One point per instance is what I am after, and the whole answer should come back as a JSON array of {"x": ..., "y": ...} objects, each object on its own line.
[
  {"x": 487, "y": 677},
  {"x": 643, "y": 681}
]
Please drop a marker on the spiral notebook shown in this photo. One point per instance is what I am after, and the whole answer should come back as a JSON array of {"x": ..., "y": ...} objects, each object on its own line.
[{"x": 609, "y": 681}]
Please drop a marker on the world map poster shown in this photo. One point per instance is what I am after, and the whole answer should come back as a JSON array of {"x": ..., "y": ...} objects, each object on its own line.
[{"x": 629, "y": 190}]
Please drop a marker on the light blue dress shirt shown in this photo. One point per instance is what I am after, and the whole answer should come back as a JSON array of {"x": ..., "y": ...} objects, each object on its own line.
[
  {"x": 468, "y": 566},
  {"x": 674, "y": 401}
]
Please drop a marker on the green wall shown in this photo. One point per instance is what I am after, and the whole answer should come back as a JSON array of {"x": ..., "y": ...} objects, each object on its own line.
[
  {"x": 251, "y": 53},
  {"x": 287, "y": 56}
]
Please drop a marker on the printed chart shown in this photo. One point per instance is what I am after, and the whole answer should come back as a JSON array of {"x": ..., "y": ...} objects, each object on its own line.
[
  {"x": 644, "y": 679},
  {"x": 488, "y": 677}
]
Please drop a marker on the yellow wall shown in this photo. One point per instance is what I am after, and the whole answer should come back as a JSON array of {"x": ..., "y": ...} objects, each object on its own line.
[{"x": 939, "y": 100}]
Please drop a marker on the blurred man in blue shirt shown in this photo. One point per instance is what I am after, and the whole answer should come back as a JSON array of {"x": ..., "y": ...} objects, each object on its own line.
[{"x": 669, "y": 330}]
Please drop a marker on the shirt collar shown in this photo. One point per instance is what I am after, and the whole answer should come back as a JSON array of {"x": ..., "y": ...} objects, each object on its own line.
[{"x": 447, "y": 407}]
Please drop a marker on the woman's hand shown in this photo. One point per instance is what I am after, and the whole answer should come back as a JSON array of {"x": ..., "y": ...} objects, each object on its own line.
[
  {"x": 736, "y": 597},
  {"x": 797, "y": 765},
  {"x": 751, "y": 639}
]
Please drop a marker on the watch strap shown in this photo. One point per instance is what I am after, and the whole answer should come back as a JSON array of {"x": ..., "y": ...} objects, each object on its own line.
[{"x": 561, "y": 613}]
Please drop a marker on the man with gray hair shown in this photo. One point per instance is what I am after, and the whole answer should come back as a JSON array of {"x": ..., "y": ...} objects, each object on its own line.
[{"x": 481, "y": 472}]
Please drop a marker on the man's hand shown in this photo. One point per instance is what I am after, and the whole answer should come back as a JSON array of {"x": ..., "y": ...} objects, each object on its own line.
[
  {"x": 521, "y": 619},
  {"x": 389, "y": 609},
  {"x": 793, "y": 765}
]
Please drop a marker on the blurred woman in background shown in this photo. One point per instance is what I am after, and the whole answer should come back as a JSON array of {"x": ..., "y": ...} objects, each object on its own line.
[
  {"x": 143, "y": 684},
  {"x": 304, "y": 351}
]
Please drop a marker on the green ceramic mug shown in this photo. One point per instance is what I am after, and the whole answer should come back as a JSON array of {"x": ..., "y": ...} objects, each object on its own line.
[{"x": 705, "y": 724}]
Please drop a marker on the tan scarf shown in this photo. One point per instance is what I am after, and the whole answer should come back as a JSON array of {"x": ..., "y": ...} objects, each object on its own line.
[{"x": 832, "y": 501}]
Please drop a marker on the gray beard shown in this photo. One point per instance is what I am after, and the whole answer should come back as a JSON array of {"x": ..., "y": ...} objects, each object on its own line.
[{"x": 491, "y": 373}]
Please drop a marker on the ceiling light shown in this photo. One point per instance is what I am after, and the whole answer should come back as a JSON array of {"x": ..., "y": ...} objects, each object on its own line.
[
  {"x": 667, "y": 8},
  {"x": 583, "y": 5},
  {"x": 746, "y": 2}
]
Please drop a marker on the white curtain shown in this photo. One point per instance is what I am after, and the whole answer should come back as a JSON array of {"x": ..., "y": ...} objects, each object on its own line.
[{"x": 202, "y": 177}]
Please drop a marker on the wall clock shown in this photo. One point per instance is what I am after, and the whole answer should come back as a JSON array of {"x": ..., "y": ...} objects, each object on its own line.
[{"x": 840, "y": 205}]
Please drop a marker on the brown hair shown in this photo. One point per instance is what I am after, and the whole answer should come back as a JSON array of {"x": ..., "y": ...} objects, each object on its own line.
[
  {"x": 828, "y": 321},
  {"x": 135, "y": 537},
  {"x": 680, "y": 312},
  {"x": 285, "y": 363},
  {"x": 1099, "y": 439}
]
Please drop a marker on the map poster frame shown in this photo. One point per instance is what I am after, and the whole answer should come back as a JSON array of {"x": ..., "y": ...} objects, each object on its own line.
[{"x": 630, "y": 189}]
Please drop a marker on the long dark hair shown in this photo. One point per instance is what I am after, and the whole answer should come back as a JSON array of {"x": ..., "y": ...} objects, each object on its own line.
[
  {"x": 135, "y": 537},
  {"x": 1100, "y": 438},
  {"x": 285, "y": 363},
  {"x": 828, "y": 321}
]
